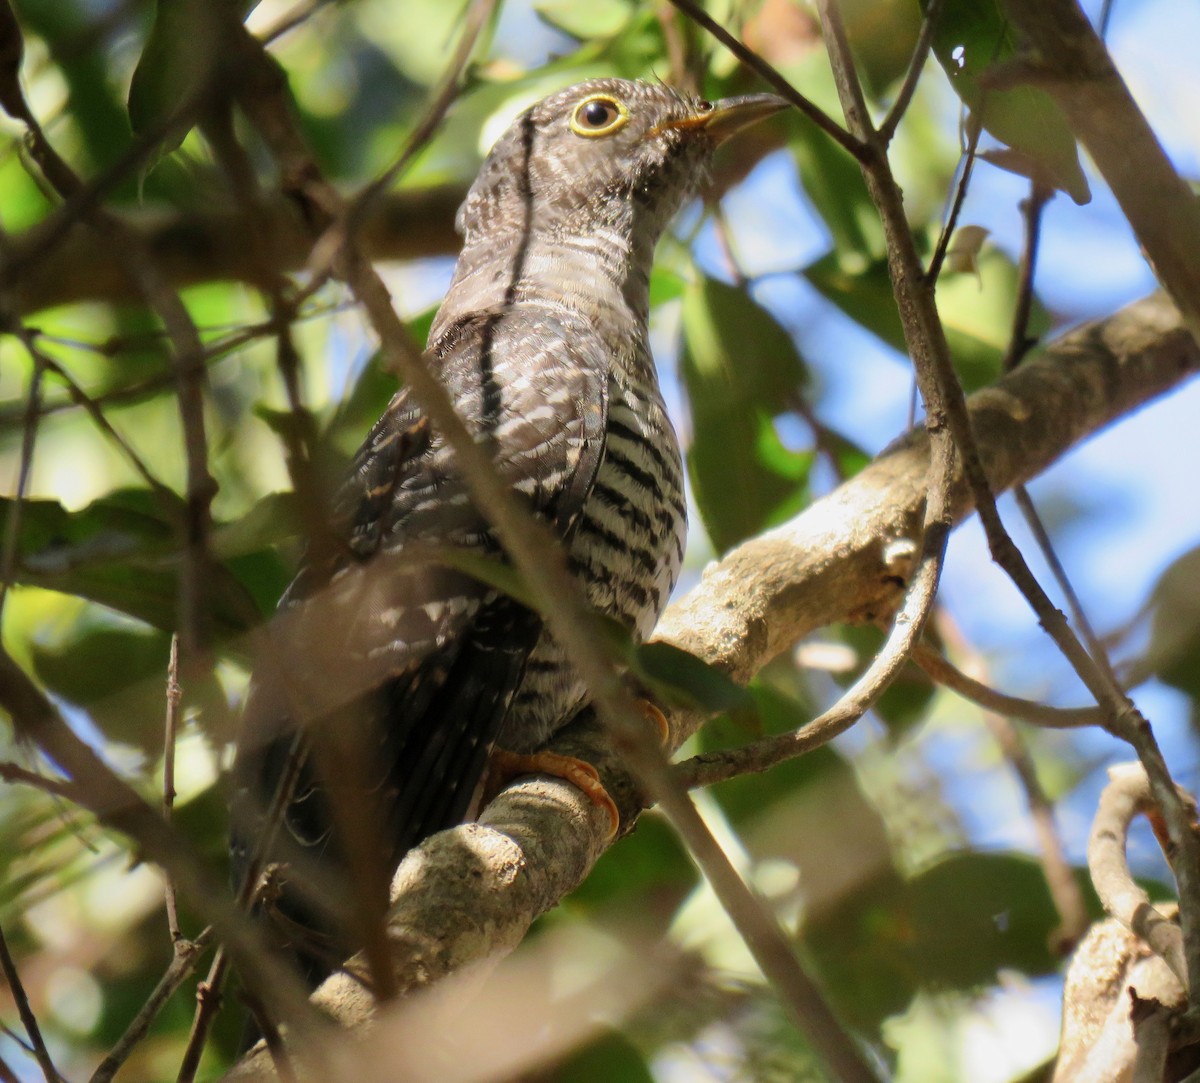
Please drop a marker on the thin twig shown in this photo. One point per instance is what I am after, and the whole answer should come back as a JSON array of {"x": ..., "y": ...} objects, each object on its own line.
[
  {"x": 1019, "y": 341},
  {"x": 1073, "y": 918},
  {"x": 275, "y": 1045},
  {"x": 942, "y": 670},
  {"x": 12, "y": 532},
  {"x": 56, "y": 787},
  {"x": 1019, "y": 345},
  {"x": 118, "y": 806},
  {"x": 208, "y": 1003},
  {"x": 887, "y": 128},
  {"x": 28, "y": 1019},
  {"x": 974, "y": 129},
  {"x": 756, "y": 63},
  {"x": 1060, "y": 877},
  {"x": 1095, "y": 644},
  {"x": 134, "y": 392},
  {"x": 170, "y": 730},
  {"x": 183, "y": 962},
  {"x": 187, "y": 355},
  {"x": 79, "y": 397},
  {"x": 476, "y": 17},
  {"x": 1152, "y": 1036}
]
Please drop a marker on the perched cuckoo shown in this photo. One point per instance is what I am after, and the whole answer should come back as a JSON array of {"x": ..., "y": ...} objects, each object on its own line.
[{"x": 389, "y": 677}]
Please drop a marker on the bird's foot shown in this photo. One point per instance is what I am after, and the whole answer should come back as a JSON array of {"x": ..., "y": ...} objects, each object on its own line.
[{"x": 505, "y": 766}]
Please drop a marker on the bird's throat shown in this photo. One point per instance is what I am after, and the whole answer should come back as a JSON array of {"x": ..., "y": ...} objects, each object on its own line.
[{"x": 600, "y": 275}]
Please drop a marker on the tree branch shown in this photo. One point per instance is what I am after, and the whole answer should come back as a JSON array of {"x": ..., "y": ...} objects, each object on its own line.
[
  {"x": 210, "y": 245},
  {"x": 470, "y": 894}
]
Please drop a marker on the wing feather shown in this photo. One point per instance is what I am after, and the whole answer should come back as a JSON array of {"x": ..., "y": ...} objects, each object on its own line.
[{"x": 425, "y": 659}]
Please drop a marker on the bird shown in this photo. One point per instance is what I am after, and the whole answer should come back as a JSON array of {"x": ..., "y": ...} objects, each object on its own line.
[{"x": 390, "y": 677}]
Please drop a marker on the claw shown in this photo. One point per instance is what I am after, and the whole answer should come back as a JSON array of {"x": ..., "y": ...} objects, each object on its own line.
[
  {"x": 505, "y": 766},
  {"x": 658, "y": 719}
]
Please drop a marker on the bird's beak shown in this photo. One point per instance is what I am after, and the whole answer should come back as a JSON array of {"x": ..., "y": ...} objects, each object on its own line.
[{"x": 726, "y": 116}]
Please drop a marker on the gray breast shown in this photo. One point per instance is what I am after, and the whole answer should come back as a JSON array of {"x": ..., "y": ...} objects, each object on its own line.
[{"x": 626, "y": 551}]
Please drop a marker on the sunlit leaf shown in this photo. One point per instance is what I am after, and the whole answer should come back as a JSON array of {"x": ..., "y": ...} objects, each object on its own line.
[{"x": 972, "y": 36}]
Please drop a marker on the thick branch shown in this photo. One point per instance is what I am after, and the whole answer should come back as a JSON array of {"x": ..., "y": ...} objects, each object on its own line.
[{"x": 469, "y": 894}]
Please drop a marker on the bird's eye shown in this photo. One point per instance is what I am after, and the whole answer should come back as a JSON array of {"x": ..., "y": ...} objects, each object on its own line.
[
  {"x": 704, "y": 107},
  {"x": 598, "y": 115}
]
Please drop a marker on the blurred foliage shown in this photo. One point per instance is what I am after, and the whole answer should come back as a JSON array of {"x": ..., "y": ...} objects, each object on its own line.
[{"x": 890, "y": 901}]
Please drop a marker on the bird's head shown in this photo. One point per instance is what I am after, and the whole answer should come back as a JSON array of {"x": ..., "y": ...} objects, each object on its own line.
[{"x": 572, "y": 161}]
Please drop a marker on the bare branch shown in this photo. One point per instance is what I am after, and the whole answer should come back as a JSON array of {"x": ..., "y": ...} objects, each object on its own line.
[
  {"x": 208, "y": 1003},
  {"x": 117, "y": 805},
  {"x": 170, "y": 728},
  {"x": 942, "y": 670},
  {"x": 967, "y": 166},
  {"x": 709, "y": 768},
  {"x": 187, "y": 356},
  {"x": 183, "y": 962},
  {"x": 13, "y": 977},
  {"x": 56, "y": 787},
  {"x": 1126, "y": 795},
  {"x": 12, "y": 532},
  {"x": 1165, "y": 216},
  {"x": 397, "y": 225}
]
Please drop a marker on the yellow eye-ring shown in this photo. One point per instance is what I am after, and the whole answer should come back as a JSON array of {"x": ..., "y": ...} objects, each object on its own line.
[{"x": 598, "y": 114}]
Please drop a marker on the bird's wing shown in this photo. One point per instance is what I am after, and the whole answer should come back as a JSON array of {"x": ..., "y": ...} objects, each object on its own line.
[{"x": 417, "y": 660}]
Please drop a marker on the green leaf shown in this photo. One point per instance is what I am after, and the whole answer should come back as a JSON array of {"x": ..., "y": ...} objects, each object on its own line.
[
  {"x": 182, "y": 54},
  {"x": 611, "y": 1057},
  {"x": 118, "y": 675},
  {"x": 955, "y": 925},
  {"x": 595, "y": 19},
  {"x": 972, "y": 36},
  {"x": 121, "y": 552},
  {"x": 686, "y": 679},
  {"x": 740, "y": 368},
  {"x": 976, "y": 309},
  {"x": 1174, "y": 651}
]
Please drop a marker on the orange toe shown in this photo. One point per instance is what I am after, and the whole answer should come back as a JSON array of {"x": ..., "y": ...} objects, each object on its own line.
[{"x": 581, "y": 774}]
